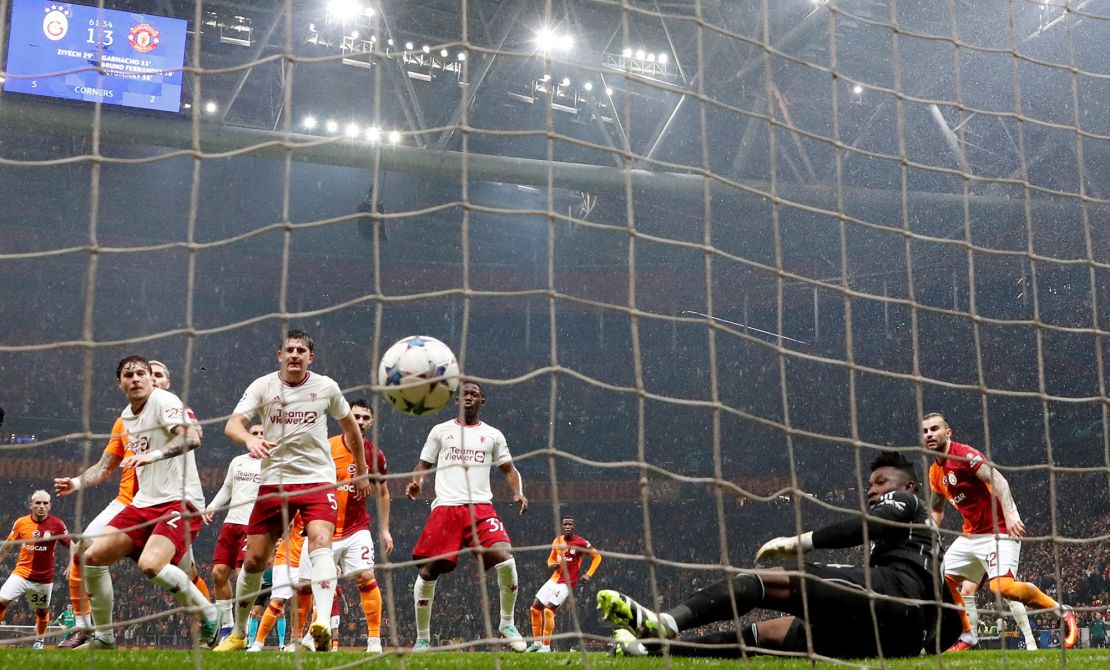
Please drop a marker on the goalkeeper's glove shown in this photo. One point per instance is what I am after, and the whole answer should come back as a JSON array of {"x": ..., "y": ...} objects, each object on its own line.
[{"x": 784, "y": 546}]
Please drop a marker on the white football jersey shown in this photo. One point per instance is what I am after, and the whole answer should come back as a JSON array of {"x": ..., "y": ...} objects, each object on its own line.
[
  {"x": 463, "y": 456},
  {"x": 170, "y": 479},
  {"x": 295, "y": 419},
  {"x": 240, "y": 488}
]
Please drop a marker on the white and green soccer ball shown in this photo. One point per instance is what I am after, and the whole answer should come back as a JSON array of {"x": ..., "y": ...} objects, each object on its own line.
[{"x": 420, "y": 375}]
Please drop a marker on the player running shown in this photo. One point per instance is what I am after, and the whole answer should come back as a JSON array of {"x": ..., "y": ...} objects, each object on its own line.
[
  {"x": 237, "y": 494},
  {"x": 163, "y": 519},
  {"x": 298, "y": 474},
  {"x": 567, "y": 550},
  {"x": 837, "y": 600},
  {"x": 462, "y": 514},
  {"x": 988, "y": 547},
  {"x": 33, "y": 577}
]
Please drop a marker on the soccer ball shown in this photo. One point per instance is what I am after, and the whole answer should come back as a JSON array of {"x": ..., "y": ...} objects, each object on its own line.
[{"x": 406, "y": 368}]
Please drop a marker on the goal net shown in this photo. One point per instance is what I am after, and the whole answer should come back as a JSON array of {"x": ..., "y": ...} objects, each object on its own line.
[{"x": 708, "y": 258}]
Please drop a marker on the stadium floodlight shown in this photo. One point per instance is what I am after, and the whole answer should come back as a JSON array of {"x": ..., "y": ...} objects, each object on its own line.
[
  {"x": 331, "y": 126},
  {"x": 443, "y": 53},
  {"x": 462, "y": 55},
  {"x": 210, "y": 107},
  {"x": 548, "y": 40},
  {"x": 355, "y": 34},
  {"x": 627, "y": 53},
  {"x": 651, "y": 58},
  {"x": 857, "y": 89},
  {"x": 309, "y": 122},
  {"x": 374, "y": 134},
  {"x": 353, "y": 130},
  {"x": 389, "y": 41},
  {"x": 640, "y": 54},
  {"x": 394, "y": 137},
  {"x": 408, "y": 46},
  {"x": 566, "y": 81},
  {"x": 344, "y": 10},
  {"x": 547, "y": 77},
  {"x": 608, "y": 91},
  {"x": 663, "y": 58},
  {"x": 589, "y": 86},
  {"x": 426, "y": 49},
  {"x": 369, "y": 11}
]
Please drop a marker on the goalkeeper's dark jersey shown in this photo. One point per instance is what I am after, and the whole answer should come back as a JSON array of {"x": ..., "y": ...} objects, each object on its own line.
[{"x": 899, "y": 528}]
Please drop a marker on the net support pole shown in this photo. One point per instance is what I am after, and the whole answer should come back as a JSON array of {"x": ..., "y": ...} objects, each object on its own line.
[{"x": 127, "y": 130}]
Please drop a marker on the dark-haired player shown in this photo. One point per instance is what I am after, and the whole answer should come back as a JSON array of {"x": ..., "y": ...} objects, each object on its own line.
[
  {"x": 462, "y": 514},
  {"x": 567, "y": 550},
  {"x": 987, "y": 549},
  {"x": 838, "y": 599},
  {"x": 298, "y": 475}
]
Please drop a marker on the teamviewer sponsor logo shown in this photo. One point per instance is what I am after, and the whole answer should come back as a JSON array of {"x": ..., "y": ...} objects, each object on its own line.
[{"x": 294, "y": 417}]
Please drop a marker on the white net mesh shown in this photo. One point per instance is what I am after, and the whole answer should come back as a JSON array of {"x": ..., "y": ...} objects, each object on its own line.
[{"x": 708, "y": 258}]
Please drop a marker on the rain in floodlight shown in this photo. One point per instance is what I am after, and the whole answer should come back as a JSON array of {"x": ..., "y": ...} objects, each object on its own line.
[
  {"x": 549, "y": 40},
  {"x": 310, "y": 122},
  {"x": 344, "y": 10}
]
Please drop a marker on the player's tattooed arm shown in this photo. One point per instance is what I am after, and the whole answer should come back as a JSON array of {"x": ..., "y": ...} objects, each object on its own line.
[
  {"x": 186, "y": 439},
  {"x": 1001, "y": 489},
  {"x": 96, "y": 474}
]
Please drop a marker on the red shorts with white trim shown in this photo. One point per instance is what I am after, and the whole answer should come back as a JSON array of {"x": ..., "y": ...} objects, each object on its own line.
[
  {"x": 451, "y": 528},
  {"x": 315, "y": 502},
  {"x": 140, "y": 523},
  {"x": 231, "y": 545}
]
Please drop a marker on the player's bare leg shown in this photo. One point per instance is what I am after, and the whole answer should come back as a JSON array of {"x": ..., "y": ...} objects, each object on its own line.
[
  {"x": 155, "y": 563},
  {"x": 259, "y": 552}
]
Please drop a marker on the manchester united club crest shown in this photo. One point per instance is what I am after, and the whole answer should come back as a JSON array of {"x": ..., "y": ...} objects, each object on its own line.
[{"x": 143, "y": 37}]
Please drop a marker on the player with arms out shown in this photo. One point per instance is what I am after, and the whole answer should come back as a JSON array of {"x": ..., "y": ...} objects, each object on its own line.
[
  {"x": 836, "y": 604},
  {"x": 33, "y": 577},
  {"x": 567, "y": 550},
  {"x": 114, "y": 452},
  {"x": 237, "y": 494},
  {"x": 988, "y": 548},
  {"x": 462, "y": 514},
  {"x": 298, "y": 475},
  {"x": 163, "y": 519}
]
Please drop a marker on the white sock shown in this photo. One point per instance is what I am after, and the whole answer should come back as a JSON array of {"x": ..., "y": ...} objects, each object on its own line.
[
  {"x": 323, "y": 583},
  {"x": 972, "y": 619},
  {"x": 1021, "y": 618},
  {"x": 246, "y": 585},
  {"x": 98, "y": 583},
  {"x": 506, "y": 580},
  {"x": 422, "y": 595},
  {"x": 174, "y": 581},
  {"x": 227, "y": 613}
]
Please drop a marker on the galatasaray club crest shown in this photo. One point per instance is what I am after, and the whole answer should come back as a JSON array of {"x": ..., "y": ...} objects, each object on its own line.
[
  {"x": 143, "y": 37},
  {"x": 55, "y": 24}
]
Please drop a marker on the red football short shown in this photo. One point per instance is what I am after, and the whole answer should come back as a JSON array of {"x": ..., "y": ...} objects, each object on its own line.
[
  {"x": 140, "y": 523},
  {"x": 451, "y": 528},
  {"x": 230, "y": 545},
  {"x": 318, "y": 504}
]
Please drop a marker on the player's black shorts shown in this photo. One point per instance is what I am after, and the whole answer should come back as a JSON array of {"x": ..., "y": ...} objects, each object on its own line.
[{"x": 839, "y": 611}]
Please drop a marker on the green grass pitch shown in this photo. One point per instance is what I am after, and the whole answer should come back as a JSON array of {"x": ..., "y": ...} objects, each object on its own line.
[{"x": 53, "y": 659}]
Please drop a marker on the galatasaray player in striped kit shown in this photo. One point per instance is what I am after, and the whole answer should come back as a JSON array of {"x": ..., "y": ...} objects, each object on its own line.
[
  {"x": 237, "y": 496},
  {"x": 33, "y": 577},
  {"x": 298, "y": 474},
  {"x": 353, "y": 543},
  {"x": 567, "y": 551},
  {"x": 988, "y": 548},
  {"x": 161, "y": 522},
  {"x": 462, "y": 514}
]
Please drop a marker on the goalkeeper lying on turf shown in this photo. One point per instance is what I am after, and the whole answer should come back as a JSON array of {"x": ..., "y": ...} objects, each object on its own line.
[{"x": 837, "y": 605}]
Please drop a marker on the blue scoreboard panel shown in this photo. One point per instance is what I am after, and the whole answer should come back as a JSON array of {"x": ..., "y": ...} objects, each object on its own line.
[{"x": 63, "y": 50}]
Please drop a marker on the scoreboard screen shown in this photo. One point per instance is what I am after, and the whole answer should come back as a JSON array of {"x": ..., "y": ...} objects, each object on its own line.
[{"x": 63, "y": 50}]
